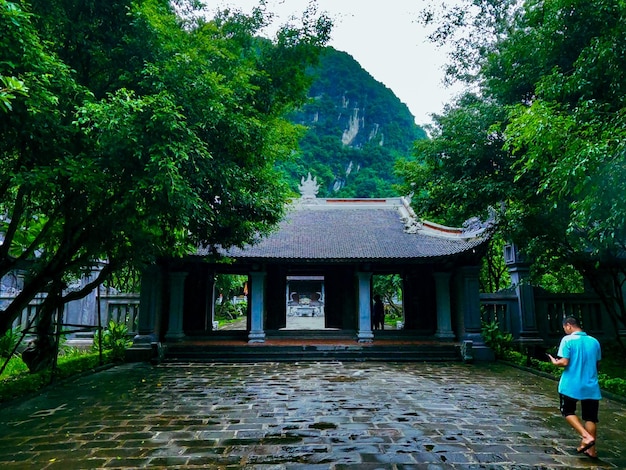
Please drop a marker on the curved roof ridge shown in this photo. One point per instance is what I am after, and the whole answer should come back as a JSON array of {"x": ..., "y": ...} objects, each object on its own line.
[{"x": 319, "y": 229}]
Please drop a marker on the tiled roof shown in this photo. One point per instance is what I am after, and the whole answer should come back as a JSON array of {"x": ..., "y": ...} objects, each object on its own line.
[{"x": 343, "y": 230}]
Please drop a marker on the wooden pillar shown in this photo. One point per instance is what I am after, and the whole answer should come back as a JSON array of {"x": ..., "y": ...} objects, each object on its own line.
[
  {"x": 468, "y": 312},
  {"x": 365, "y": 334},
  {"x": 149, "y": 315},
  {"x": 257, "y": 307},
  {"x": 444, "y": 313},
  {"x": 177, "y": 299}
]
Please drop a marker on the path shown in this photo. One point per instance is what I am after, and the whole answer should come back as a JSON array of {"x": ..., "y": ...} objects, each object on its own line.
[{"x": 272, "y": 416}]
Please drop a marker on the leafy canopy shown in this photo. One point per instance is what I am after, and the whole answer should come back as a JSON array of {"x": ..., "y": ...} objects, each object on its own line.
[
  {"x": 542, "y": 133},
  {"x": 131, "y": 133}
]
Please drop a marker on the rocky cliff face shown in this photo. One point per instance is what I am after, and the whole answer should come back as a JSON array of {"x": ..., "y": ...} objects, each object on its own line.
[{"x": 354, "y": 124}]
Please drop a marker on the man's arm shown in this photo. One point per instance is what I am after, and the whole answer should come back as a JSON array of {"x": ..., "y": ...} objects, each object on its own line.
[{"x": 560, "y": 362}]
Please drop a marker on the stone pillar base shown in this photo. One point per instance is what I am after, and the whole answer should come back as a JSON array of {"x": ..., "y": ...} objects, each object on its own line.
[
  {"x": 256, "y": 337},
  {"x": 175, "y": 337},
  {"x": 144, "y": 339},
  {"x": 145, "y": 348},
  {"x": 482, "y": 353},
  {"x": 365, "y": 337},
  {"x": 445, "y": 335}
]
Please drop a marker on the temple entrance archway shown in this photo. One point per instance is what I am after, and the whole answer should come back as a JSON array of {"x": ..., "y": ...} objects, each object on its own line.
[
  {"x": 305, "y": 303},
  {"x": 331, "y": 251}
]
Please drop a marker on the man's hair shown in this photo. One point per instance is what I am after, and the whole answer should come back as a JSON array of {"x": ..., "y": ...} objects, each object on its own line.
[{"x": 571, "y": 321}]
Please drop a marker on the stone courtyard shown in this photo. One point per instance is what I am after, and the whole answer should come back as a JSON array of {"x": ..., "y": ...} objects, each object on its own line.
[{"x": 309, "y": 415}]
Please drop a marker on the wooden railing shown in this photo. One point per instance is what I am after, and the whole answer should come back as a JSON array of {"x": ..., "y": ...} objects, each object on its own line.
[
  {"x": 499, "y": 308},
  {"x": 550, "y": 309},
  {"x": 121, "y": 308}
]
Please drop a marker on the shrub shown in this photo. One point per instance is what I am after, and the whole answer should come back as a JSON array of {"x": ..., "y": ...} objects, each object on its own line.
[
  {"x": 14, "y": 365},
  {"x": 114, "y": 338},
  {"x": 227, "y": 311},
  {"x": 614, "y": 385},
  {"x": 19, "y": 385},
  {"x": 9, "y": 341},
  {"x": 496, "y": 339},
  {"x": 19, "y": 381},
  {"x": 610, "y": 384}
]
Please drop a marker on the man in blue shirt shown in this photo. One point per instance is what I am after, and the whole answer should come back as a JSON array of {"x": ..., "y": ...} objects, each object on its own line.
[{"x": 579, "y": 354}]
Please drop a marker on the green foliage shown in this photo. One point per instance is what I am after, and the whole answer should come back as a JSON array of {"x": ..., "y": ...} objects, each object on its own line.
[
  {"x": 516, "y": 357},
  {"x": 494, "y": 275},
  {"x": 564, "y": 280},
  {"x": 227, "y": 311},
  {"x": 14, "y": 366},
  {"x": 9, "y": 88},
  {"x": 66, "y": 351},
  {"x": 20, "y": 385},
  {"x": 126, "y": 279},
  {"x": 230, "y": 285},
  {"x": 471, "y": 28},
  {"x": 544, "y": 135},
  {"x": 389, "y": 287},
  {"x": 18, "y": 382},
  {"x": 140, "y": 135},
  {"x": 462, "y": 169},
  {"x": 496, "y": 339},
  {"x": 615, "y": 385},
  {"x": 114, "y": 338},
  {"x": 9, "y": 341},
  {"x": 67, "y": 366},
  {"x": 608, "y": 382}
]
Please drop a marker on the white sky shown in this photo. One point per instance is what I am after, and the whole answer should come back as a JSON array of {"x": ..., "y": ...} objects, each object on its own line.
[{"x": 385, "y": 38}]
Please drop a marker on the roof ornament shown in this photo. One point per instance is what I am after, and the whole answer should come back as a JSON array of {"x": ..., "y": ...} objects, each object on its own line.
[
  {"x": 474, "y": 226},
  {"x": 309, "y": 187},
  {"x": 411, "y": 222}
]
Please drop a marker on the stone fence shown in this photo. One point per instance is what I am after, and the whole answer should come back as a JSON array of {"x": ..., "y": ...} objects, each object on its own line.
[
  {"x": 540, "y": 317},
  {"x": 80, "y": 317}
]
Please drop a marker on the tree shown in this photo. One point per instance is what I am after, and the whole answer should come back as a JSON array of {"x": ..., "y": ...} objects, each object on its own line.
[
  {"x": 463, "y": 168},
  {"x": 569, "y": 141},
  {"x": 141, "y": 142},
  {"x": 554, "y": 70}
]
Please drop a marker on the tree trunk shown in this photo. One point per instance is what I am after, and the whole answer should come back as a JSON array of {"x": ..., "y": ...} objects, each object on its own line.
[{"x": 41, "y": 352}]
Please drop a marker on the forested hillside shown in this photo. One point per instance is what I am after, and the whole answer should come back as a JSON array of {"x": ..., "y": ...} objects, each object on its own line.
[{"x": 356, "y": 130}]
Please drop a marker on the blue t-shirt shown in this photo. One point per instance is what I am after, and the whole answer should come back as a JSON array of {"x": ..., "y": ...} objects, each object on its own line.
[{"x": 580, "y": 377}]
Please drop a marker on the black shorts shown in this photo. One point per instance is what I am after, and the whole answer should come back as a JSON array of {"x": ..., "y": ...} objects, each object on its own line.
[{"x": 589, "y": 408}]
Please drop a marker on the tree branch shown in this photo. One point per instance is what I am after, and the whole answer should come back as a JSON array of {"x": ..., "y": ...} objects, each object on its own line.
[{"x": 87, "y": 288}]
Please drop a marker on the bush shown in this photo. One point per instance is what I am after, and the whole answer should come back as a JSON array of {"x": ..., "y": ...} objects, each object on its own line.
[
  {"x": 19, "y": 385},
  {"x": 496, "y": 339},
  {"x": 114, "y": 338},
  {"x": 614, "y": 385},
  {"x": 227, "y": 311},
  {"x": 14, "y": 366},
  {"x": 9, "y": 341},
  {"x": 19, "y": 381}
]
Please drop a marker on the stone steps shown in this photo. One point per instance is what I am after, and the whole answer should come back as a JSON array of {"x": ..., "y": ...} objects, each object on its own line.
[{"x": 423, "y": 352}]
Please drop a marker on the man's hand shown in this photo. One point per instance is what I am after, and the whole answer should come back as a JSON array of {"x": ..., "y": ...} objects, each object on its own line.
[{"x": 560, "y": 362}]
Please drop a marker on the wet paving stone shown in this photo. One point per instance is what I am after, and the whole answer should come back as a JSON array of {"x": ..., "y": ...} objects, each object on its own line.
[{"x": 300, "y": 416}]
